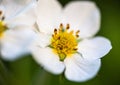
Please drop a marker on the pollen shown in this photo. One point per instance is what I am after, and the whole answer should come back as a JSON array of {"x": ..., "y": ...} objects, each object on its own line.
[
  {"x": 3, "y": 28},
  {"x": 64, "y": 42}
]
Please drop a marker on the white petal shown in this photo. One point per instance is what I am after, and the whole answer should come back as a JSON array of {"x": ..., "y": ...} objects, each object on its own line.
[
  {"x": 27, "y": 18},
  {"x": 48, "y": 13},
  {"x": 14, "y": 7},
  {"x": 42, "y": 40},
  {"x": 94, "y": 48},
  {"x": 48, "y": 59},
  {"x": 16, "y": 43},
  {"x": 82, "y": 15},
  {"x": 23, "y": 2},
  {"x": 80, "y": 70}
]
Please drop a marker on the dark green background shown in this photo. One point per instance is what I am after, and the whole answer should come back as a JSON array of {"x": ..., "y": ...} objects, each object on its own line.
[{"x": 26, "y": 71}]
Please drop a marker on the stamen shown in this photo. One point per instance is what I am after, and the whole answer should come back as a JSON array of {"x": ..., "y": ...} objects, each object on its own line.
[
  {"x": 77, "y": 36},
  {"x": 67, "y": 26},
  {"x": 53, "y": 35},
  {"x": 61, "y": 25},
  {"x": 75, "y": 49},
  {"x": 0, "y": 12},
  {"x": 55, "y": 31},
  {"x": 77, "y": 33},
  {"x": 71, "y": 32},
  {"x": 64, "y": 43}
]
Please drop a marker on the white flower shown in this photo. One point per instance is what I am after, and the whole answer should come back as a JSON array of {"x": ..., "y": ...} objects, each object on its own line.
[
  {"x": 16, "y": 31},
  {"x": 71, "y": 48}
]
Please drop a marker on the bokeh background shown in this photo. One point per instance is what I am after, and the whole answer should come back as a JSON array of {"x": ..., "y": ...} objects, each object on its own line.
[{"x": 25, "y": 71}]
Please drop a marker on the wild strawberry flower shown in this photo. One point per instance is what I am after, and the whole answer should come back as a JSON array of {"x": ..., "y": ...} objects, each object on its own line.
[
  {"x": 16, "y": 31},
  {"x": 66, "y": 42}
]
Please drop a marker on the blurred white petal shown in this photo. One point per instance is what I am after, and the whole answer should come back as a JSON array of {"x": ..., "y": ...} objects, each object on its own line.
[
  {"x": 16, "y": 42},
  {"x": 14, "y": 7},
  {"x": 27, "y": 18},
  {"x": 42, "y": 40}
]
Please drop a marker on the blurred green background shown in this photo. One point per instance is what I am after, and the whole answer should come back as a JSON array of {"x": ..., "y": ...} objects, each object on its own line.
[{"x": 26, "y": 71}]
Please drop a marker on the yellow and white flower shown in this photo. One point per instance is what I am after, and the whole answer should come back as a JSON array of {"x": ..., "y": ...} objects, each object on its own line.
[
  {"x": 66, "y": 42},
  {"x": 16, "y": 28}
]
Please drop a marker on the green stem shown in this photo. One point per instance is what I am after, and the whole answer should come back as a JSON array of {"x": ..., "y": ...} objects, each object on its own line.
[
  {"x": 3, "y": 73},
  {"x": 61, "y": 79}
]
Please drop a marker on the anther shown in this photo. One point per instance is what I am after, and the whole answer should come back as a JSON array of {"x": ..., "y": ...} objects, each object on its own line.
[
  {"x": 78, "y": 31},
  {"x": 0, "y": 12},
  {"x": 67, "y": 26},
  {"x": 53, "y": 35},
  {"x": 55, "y": 31},
  {"x": 61, "y": 26},
  {"x": 75, "y": 49},
  {"x": 77, "y": 36}
]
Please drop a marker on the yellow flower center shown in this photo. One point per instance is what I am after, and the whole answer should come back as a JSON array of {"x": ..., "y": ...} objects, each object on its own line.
[
  {"x": 64, "y": 42},
  {"x": 2, "y": 28}
]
